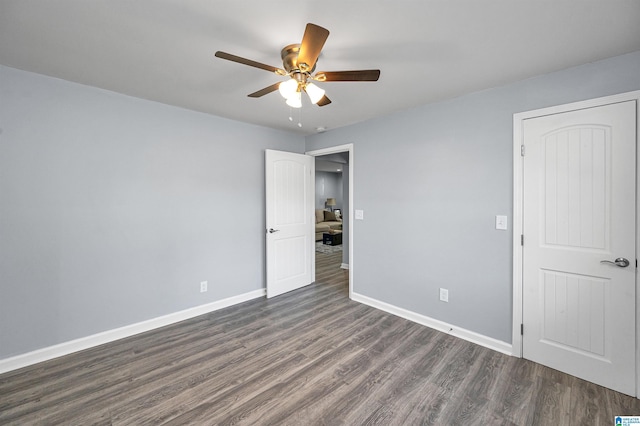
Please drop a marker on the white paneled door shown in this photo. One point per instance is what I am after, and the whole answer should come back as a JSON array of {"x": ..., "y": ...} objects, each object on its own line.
[
  {"x": 289, "y": 214},
  {"x": 579, "y": 258}
]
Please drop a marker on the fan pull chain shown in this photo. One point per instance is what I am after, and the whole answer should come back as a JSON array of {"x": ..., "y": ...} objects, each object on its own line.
[{"x": 299, "y": 116}]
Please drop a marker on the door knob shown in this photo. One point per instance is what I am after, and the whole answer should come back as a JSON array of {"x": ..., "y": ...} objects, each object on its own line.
[
  {"x": 621, "y": 262},
  {"x": 271, "y": 230}
]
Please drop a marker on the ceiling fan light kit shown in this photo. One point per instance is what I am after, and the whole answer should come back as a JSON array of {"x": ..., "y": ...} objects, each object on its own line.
[
  {"x": 295, "y": 100},
  {"x": 299, "y": 63},
  {"x": 315, "y": 93},
  {"x": 288, "y": 88}
]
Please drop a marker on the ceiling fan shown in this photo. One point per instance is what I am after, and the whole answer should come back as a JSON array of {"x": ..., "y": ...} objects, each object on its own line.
[{"x": 299, "y": 63}]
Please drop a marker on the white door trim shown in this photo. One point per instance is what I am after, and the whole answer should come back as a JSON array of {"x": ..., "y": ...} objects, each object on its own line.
[
  {"x": 518, "y": 200},
  {"x": 334, "y": 150}
]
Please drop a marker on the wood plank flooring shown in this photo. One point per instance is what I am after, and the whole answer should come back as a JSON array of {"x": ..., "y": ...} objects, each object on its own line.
[{"x": 309, "y": 357}]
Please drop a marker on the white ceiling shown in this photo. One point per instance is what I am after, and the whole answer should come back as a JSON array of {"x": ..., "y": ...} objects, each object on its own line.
[
  {"x": 328, "y": 166},
  {"x": 427, "y": 50}
]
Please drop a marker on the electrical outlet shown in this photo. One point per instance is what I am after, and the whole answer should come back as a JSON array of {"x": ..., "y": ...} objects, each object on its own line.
[
  {"x": 203, "y": 286},
  {"x": 444, "y": 295}
]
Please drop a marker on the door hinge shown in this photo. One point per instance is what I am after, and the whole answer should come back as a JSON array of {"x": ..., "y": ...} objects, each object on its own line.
[
  {"x": 522, "y": 150},
  {"x": 522, "y": 239},
  {"x": 522, "y": 329}
]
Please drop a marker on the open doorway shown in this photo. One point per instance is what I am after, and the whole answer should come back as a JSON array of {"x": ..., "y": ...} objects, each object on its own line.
[
  {"x": 332, "y": 204},
  {"x": 331, "y": 200}
]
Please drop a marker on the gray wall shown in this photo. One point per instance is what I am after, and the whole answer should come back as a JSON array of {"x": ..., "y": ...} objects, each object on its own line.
[
  {"x": 113, "y": 209},
  {"x": 328, "y": 185},
  {"x": 431, "y": 180}
]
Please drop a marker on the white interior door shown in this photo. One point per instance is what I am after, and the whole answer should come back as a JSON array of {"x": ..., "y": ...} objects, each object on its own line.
[
  {"x": 289, "y": 214},
  {"x": 579, "y": 210}
]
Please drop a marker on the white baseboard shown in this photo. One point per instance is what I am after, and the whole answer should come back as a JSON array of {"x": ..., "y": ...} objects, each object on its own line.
[
  {"x": 487, "y": 342},
  {"x": 344, "y": 266},
  {"x": 51, "y": 352}
]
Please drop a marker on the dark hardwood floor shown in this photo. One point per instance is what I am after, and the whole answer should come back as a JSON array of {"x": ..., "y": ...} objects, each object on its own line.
[{"x": 309, "y": 357}]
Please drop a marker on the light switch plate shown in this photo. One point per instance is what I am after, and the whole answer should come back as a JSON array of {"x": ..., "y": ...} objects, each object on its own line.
[
  {"x": 359, "y": 214},
  {"x": 501, "y": 222},
  {"x": 444, "y": 295}
]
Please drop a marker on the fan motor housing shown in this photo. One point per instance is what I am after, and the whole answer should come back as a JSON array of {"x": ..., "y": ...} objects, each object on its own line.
[{"x": 289, "y": 55}]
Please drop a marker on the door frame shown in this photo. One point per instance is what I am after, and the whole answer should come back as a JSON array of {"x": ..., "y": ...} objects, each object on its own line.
[
  {"x": 518, "y": 194},
  {"x": 335, "y": 150}
]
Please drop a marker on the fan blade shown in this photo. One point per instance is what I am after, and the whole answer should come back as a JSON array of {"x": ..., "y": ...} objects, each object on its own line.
[
  {"x": 312, "y": 41},
  {"x": 265, "y": 91},
  {"x": 361, "y": 75},
  {"x": 238, "y": 59},
  {"x": 324, "y": 101}
]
